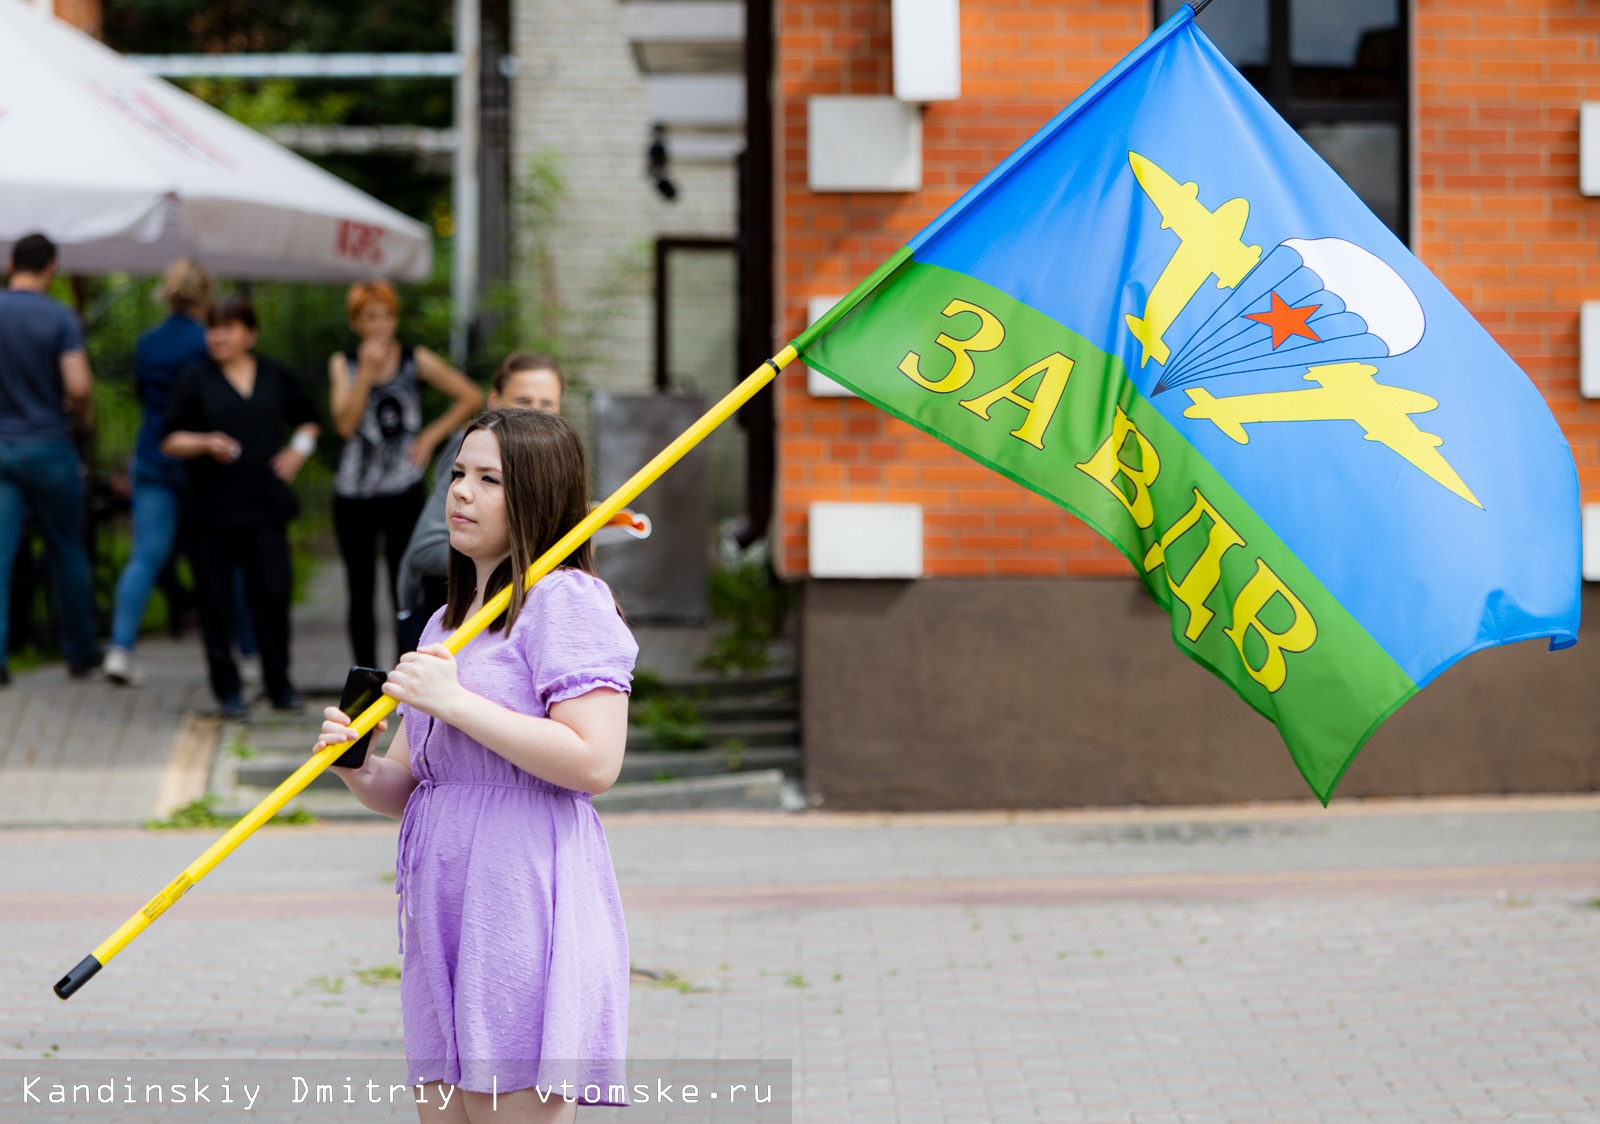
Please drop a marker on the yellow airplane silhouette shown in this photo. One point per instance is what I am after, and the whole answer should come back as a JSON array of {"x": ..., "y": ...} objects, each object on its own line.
[
  {"x": 1210, "y": 242},
  {"x": 1346, "y": 392}
]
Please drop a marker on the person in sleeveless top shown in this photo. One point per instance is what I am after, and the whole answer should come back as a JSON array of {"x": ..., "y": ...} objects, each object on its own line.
[
  {"x": 375, "y": 397},
  {"x": 515, "y": 972}
]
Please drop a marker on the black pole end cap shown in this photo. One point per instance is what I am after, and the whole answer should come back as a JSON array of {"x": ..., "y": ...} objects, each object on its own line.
[{"x": 76, "y": 978}]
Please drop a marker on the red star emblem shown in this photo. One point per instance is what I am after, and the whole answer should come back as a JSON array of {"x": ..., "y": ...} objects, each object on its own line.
[{"x": 1286, "y": 321}]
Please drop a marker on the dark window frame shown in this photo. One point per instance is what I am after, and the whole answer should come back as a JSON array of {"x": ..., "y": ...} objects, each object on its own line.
[
  {"x": 666, "y": 247},
  {"x": 1279, "y": 93}
]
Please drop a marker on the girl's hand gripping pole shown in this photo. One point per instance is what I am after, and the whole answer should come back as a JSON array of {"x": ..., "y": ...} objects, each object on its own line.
[{"x": 364, "y": 722}]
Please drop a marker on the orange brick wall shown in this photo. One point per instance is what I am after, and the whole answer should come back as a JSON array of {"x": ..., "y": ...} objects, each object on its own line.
[
  {"x": 1021, "y": 61},
  {"x": 1499, "y": 219}
]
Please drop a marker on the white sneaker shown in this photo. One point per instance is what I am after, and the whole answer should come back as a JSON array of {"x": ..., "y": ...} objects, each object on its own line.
[{"x": 119, "y": 669}]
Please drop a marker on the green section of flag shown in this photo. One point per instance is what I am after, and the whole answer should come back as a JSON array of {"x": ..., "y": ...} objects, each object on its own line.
[{"x": 1332, "y": 691}]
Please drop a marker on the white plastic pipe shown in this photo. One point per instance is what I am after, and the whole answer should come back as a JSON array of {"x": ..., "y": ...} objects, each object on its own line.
[{"x": 464, "y": 192}]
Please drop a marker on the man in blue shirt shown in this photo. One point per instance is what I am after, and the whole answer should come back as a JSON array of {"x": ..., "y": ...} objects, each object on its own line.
[{"x": 45, "y": 387}]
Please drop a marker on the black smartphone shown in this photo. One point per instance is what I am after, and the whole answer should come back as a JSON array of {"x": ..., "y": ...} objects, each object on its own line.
[{"x": 362, "y": 688}]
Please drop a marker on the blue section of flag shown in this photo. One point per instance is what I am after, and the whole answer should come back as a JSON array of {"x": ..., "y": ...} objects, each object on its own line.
[{"x": 1437, "y": 549}]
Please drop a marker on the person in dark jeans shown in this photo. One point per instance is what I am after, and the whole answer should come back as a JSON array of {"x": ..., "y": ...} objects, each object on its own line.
[
  {"x": 45, "y": 387},
  {"x": 162, "y": 354},
  {"x": 375, "y": 397},
  {"x": 227, "y": 421}
]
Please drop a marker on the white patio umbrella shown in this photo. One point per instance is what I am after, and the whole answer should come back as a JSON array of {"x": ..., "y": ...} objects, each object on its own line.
[{"x": 125, "y": 172}]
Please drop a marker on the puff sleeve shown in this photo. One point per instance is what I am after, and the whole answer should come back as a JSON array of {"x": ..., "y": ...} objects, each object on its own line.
[{"x": 574, "y": 639}]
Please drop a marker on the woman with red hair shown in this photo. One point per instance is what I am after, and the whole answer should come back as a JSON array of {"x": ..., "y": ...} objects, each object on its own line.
[{"x": 375, "y": 397}]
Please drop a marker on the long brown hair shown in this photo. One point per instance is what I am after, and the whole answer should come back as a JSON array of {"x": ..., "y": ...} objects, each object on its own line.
[{"x": 546, "y": 486}]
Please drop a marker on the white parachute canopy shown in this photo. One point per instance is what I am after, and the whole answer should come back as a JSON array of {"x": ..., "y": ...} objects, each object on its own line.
[
  {"x": 1369, "y": 287},
  {"x": 125, "y": 172},
  {"x": 1354, "y": 306}
]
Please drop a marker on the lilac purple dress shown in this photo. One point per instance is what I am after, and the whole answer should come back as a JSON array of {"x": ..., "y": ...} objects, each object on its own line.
[{"x": 515, "y": 952}]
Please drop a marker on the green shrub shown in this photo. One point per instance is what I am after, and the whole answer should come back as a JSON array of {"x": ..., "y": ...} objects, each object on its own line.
[
  {"x": 748, "y": 603},
  {"x": 671, "y": 721},
  {"x": 202, "y": 813}
]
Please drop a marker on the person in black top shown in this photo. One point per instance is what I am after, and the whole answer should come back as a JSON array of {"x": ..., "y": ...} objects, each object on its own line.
[{"x": 227, "y": 421}]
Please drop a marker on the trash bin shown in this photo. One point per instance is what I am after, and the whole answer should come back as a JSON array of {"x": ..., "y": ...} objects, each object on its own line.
[{"x": 661, "y": 579}]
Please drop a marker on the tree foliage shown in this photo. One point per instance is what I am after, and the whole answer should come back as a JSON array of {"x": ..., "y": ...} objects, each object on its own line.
[
  {"x": 212, "y": 26},
  {"x": 232, "y": 26}
]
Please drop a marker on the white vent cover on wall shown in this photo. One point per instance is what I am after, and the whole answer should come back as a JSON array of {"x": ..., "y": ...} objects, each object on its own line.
[
  {"x": 927, "y": 49},
  {"x": 863, "y": 144},
  {"x": 819, "y": 385},
  {"x": 865, "y": 540},
  {"x": 1589, "y": 350},
  {"x": 1589, "y": 148},
  {"x": 1591, "y": 542}
]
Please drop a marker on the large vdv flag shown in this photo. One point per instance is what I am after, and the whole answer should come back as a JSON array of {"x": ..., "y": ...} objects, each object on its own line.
[{"x": 1167, "y": 314}]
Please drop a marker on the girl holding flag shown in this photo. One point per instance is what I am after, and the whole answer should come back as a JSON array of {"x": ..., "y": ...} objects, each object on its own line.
[{"x": 515, "y": 973}]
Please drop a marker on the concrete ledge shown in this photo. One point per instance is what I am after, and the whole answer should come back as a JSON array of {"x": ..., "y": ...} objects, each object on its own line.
[
  {"x": 1022, "y": 693},
  {"x": 187, "y": 770},
  {"x": 683, "y": 764},
  {"x": 761, "y": 789}
]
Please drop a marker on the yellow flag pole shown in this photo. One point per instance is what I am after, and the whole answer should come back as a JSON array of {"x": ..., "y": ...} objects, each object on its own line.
[{"x": 457, "y": 640}]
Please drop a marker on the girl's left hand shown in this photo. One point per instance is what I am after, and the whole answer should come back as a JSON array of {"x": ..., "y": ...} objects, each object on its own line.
[
  {"x": 336, "y": 729},
  {"x": 426, "y": 679}
]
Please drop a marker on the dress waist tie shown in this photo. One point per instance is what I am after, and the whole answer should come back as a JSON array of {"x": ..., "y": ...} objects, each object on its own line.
[
  {"x": 412, "y": 840},
  {"x": 414, "y": 836}
]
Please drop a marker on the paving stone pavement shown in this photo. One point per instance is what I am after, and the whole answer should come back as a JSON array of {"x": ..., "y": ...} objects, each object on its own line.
[
  {"x": 83, "y": 753},
  {"x": 1404, "y": 961},
  {"x": 79, "y": 752}
]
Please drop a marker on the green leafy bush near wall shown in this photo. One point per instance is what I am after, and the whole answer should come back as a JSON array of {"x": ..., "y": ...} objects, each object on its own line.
[
  {"x": 748, "y": 604},
  {"x": 671, "y": 721}
]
